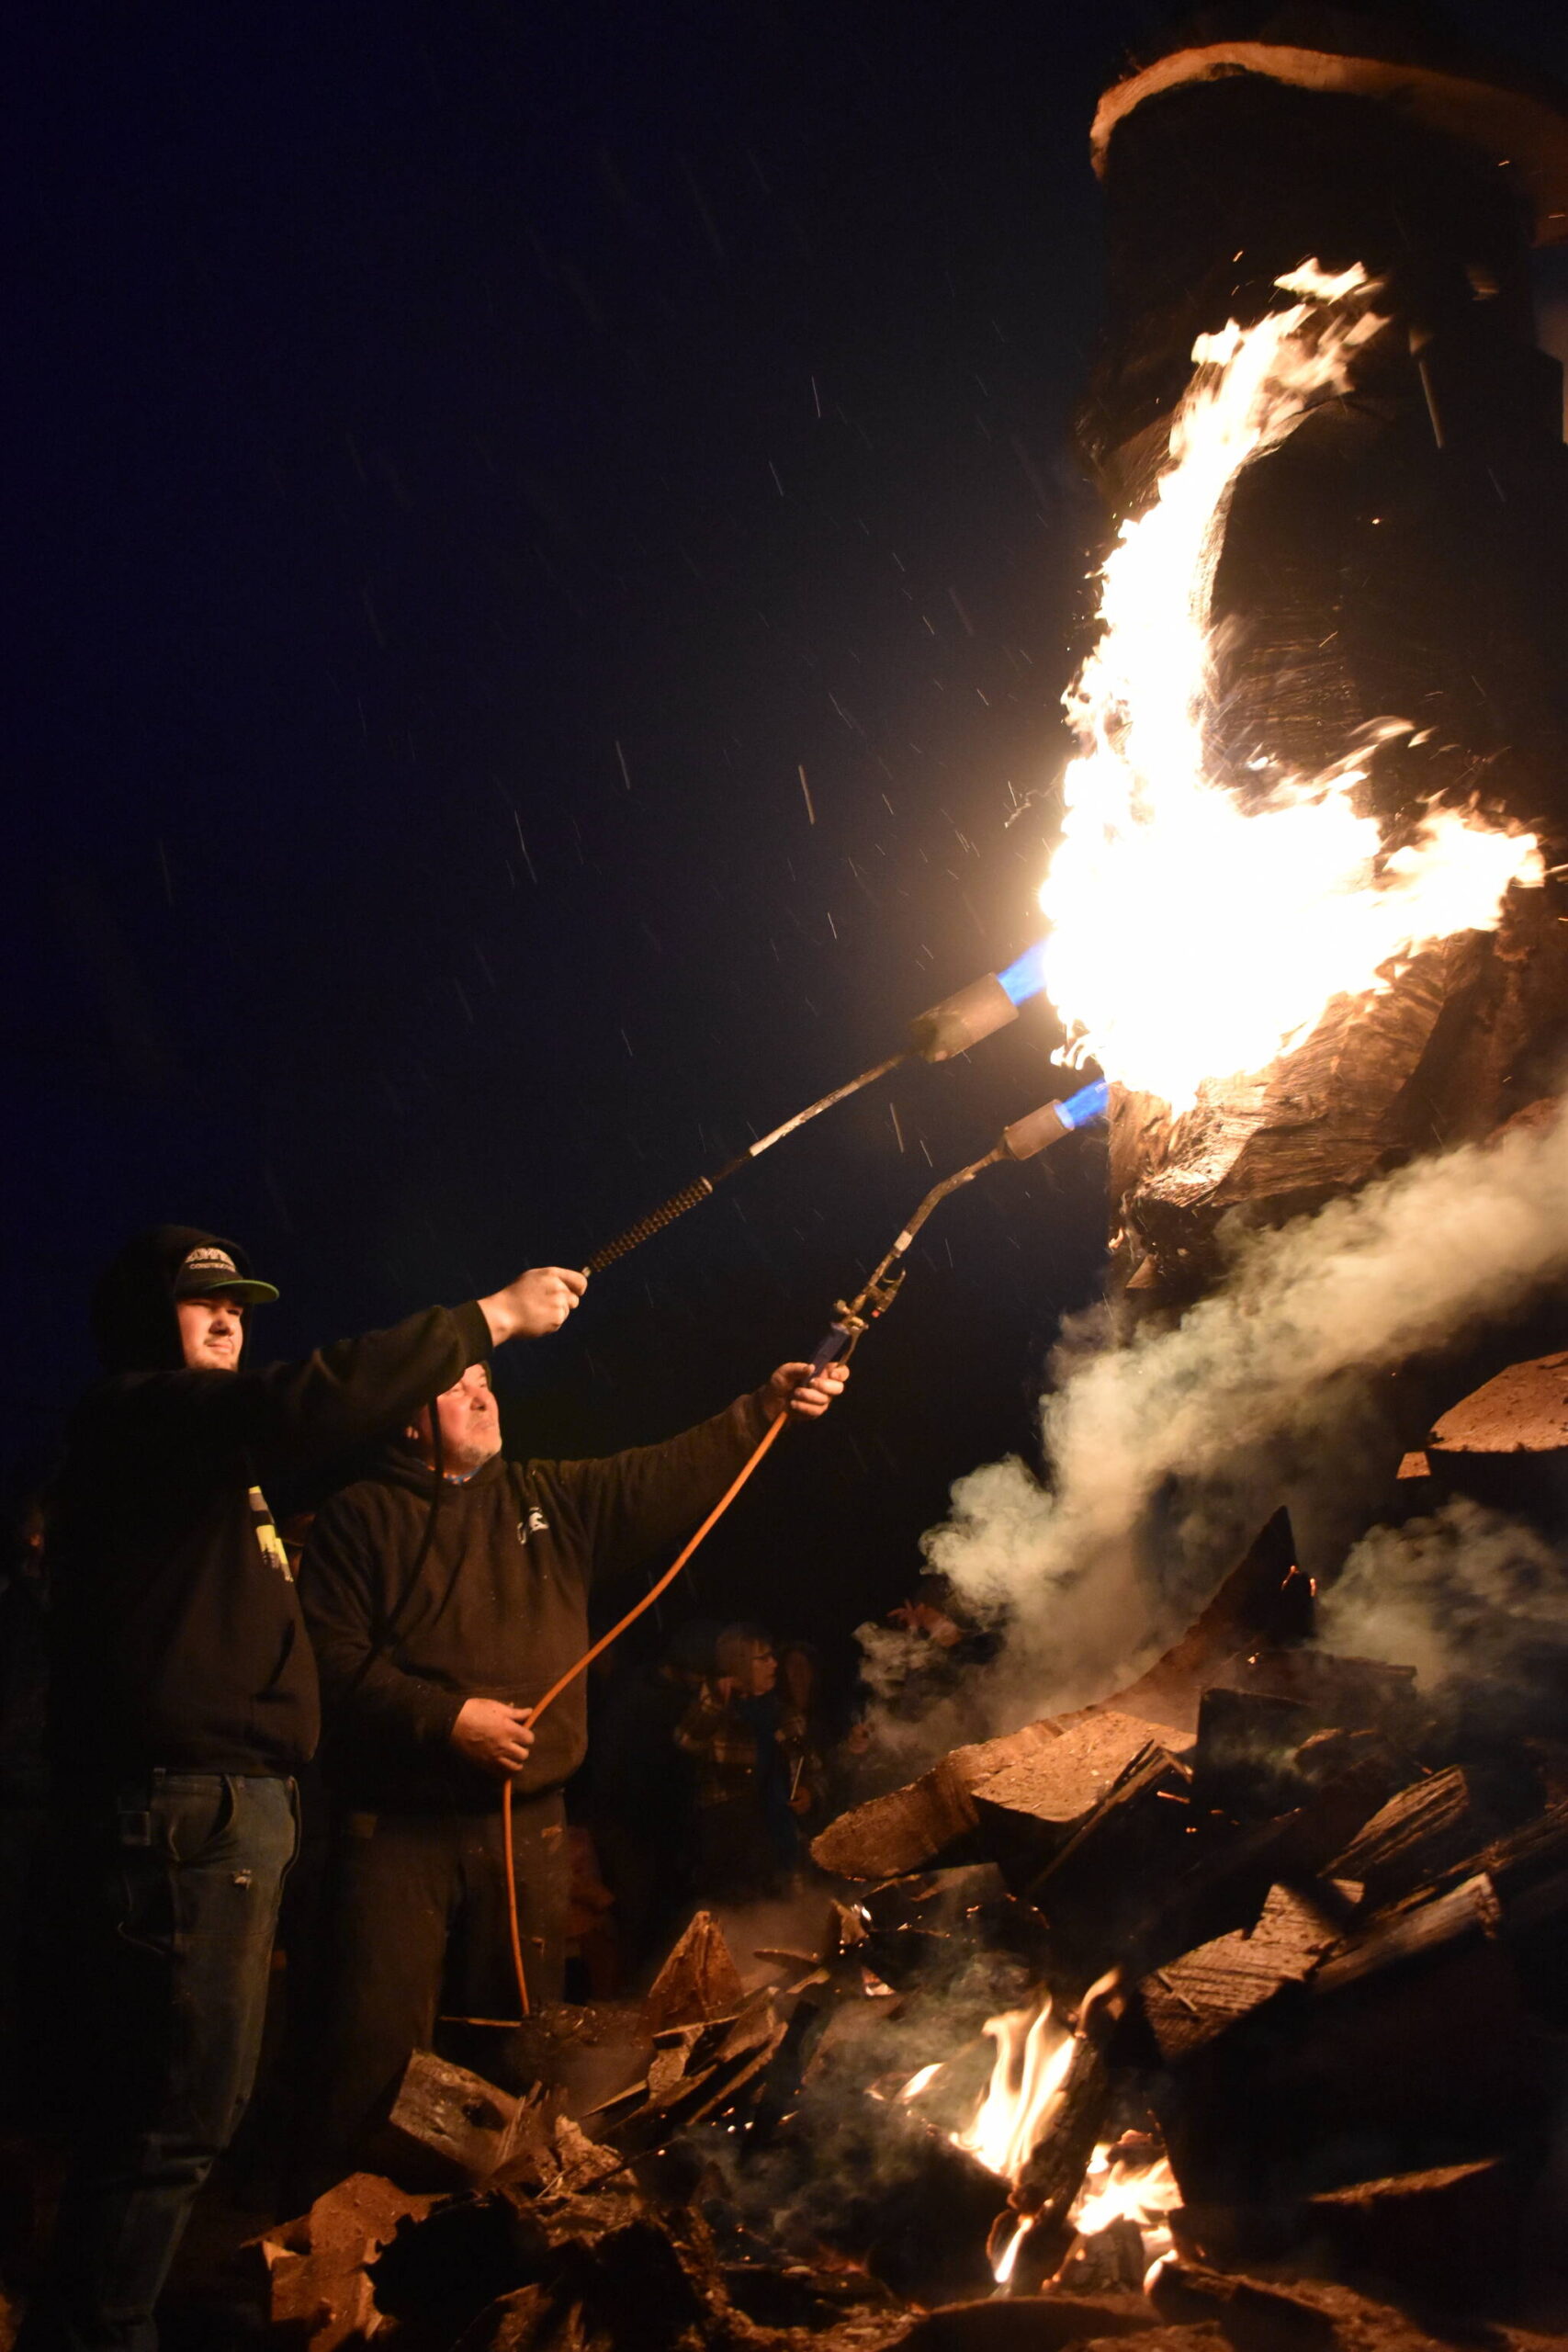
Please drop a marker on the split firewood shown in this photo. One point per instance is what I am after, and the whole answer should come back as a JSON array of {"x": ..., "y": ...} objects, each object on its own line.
[
  {"x": 1096, "y": 1892},
  {"x": 1421, "y": 1833},
  {"x": 448, "y": 2123},
  {"x": 1191, "y": 2000},
  {"x": 1305, "y": 2315},
  {"x": 1027, "y": 1810},
  {"x": 939, "y": 1815},
  {"x": 697, "y": 1983},
  {"x": 1413, "y": 1932}
]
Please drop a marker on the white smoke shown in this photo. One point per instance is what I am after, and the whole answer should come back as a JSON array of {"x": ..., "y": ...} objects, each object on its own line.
[
  {"x": 1165, "y": 1455},
  {"x": 1465, "y": 1597}
]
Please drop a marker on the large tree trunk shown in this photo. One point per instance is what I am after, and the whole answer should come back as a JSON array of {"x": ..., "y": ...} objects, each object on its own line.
[{"x": 1404, "y": 554}]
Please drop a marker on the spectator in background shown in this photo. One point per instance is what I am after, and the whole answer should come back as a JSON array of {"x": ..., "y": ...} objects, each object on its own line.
[
  {"x": 804, "y": 1736},
  {"x": 747, "y": 1845},
  {"x": 643, "y": 1791},
  {"x": 948, "y": 1643}
]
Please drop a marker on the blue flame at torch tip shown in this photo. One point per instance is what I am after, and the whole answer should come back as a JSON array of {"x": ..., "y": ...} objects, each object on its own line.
[
  {"x": 1090, "y": 1103},
  {"x": 1026, "y": 978}
]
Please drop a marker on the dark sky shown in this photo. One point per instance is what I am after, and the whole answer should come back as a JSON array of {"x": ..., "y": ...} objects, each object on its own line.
[{"x": 469, "y": 458}]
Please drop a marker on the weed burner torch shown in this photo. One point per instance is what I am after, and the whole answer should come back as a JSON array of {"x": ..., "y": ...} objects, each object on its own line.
[
  {"x": 1023, "y": 1140},
  {"x": 960, "y": 1021}
]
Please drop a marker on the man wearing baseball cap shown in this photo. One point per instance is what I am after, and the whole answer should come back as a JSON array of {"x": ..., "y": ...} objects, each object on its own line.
[{"x": 184, "y": 1701}]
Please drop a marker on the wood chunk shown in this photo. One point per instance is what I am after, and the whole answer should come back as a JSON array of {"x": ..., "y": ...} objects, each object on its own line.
[
  {"x": 1194, "y": 1998},
  {"x": 1523, "y": 1410},
  {"x": 449, "y": 2123},
  {"x": 1415, "y": 1837},
  {"x": 698, "y": 1983},
  {"x": 1030, "y": 1805},
  {"x": 319, "y": 2286},
  {"x": 1119, "y": 1866},
  {"x": 1453, "y": 2231},
  {"x": 1415, "y": 1932},
  {"x": 891, "y": 1835}
]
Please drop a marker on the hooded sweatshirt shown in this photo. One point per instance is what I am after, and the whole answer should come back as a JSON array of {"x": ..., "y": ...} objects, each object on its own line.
[
  {"x": 499, "y": 1605},
  {"x": 175, "y": 1635}
]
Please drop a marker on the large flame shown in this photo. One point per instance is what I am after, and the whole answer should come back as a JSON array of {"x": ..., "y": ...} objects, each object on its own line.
[
  {"x": 1188, "y": 938},
  {"x": 1032, "y": 2052},
  {"x": 1130, "y": 2181}
]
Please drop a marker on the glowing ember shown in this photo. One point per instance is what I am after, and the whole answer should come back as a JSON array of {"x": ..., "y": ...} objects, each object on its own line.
[
  {"x": 1190, "y": 939},
  {"x": 1032, "y": 2057}
]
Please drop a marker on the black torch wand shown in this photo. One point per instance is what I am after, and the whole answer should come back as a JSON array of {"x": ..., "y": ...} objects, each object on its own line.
[{"x": 960, "y": 1021}]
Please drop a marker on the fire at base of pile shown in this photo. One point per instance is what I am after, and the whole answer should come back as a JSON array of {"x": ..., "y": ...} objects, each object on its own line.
[{"x": 1130, "y": 2007}]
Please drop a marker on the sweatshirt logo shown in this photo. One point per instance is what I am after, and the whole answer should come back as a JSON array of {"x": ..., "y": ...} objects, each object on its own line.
[{"x": 535, "y": 1525}]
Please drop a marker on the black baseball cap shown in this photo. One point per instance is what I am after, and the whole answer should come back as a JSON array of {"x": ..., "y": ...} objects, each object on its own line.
[{"x": 208, "y": 1268}]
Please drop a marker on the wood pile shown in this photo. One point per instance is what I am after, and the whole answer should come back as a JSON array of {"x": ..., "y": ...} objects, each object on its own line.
[{"x": 1317, "y": 1957}]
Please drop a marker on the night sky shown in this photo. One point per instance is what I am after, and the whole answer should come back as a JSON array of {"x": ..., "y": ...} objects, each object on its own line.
[{"x": 470, "y": 460}]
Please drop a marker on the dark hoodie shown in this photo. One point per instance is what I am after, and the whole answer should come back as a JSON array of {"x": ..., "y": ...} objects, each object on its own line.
[
  {"x": 175, "y": 1633},
  {"x": 499, "y": 1607}
]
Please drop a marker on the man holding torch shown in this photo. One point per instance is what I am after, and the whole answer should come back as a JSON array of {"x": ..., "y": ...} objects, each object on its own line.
[{"x": 444, "y": 1596}]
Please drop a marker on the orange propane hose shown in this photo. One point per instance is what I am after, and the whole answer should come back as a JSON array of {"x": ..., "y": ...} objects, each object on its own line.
[{"x": 581, "y": 1665}]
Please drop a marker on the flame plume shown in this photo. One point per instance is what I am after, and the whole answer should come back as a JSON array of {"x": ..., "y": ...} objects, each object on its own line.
[{"x": 1190, "y": 939}]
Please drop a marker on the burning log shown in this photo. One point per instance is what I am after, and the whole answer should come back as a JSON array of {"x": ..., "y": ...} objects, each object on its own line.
[
  {"x": 1053, "y": 2172},
  {"x": 1395, "y": 142}
]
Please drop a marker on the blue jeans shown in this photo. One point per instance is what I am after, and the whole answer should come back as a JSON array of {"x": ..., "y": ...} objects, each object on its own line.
[{"x": 172, "y": 1890}]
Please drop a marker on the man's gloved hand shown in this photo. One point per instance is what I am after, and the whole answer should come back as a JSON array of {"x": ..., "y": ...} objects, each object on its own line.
[
  {"x": 806, "y": 1394},
  {"x": 533, "y": 1306},
  {"x": 493, "y": 1736}
]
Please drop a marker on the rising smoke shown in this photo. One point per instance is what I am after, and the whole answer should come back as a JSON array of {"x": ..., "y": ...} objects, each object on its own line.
[
  {"x": 1475, "y": 1602},
  {"x": 1167, "y": 1455}
]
